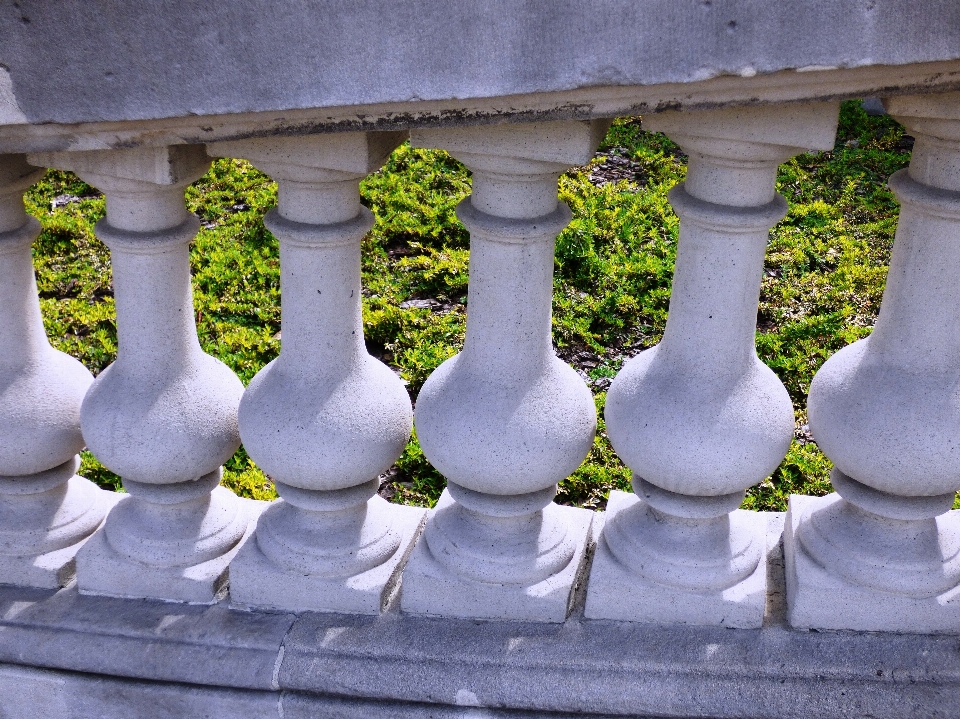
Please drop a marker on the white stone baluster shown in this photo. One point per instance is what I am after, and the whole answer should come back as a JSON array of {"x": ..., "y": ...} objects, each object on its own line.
[
  {"x": 505, "y": 419},
  {"x": 324, "y": 419},
  {"x": 46, "y": 510},
  {"x": 163, "y": 416},
  {"x": 699, "y": 418},
  {"x": 883, "y": 552}
]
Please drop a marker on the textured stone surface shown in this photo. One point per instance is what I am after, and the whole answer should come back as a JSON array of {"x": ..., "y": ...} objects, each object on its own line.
[
  {"x": 56, "y": 568},
  {"x": 104, "y": 570},
  {"x": 199, "y": 55},
  {"x": 46, "y": 510},
  {"x": 818, "y": 599},
  {"x": 325, "y": 419},
  {"x": 886, "y": 411},
  {"x": 465, "y": 669},
  {"x": 505, "y": 419},
  {"x": 32, "y": 693},
  {"x": 142, "y": 639},
  {"x": 28, "y": 693},
  {"x": 699, "y": 418},
  {"x": 304, "y": 706},
  {"x": 163, "y": 416},
  {"x": 257, "y": 582},
  {"x": 626, "y": 668},
  {"x": 619, "y": 593},
  {"x": 431, "y": 588}
]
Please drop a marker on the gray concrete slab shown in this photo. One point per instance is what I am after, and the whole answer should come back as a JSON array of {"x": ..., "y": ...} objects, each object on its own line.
[
  {"x": 144, "y": 639},
  {"x": 626, "y": 669},
  {"x": 191, "y": 72},
  {"x": 28, "y": 693},
  {"x": 197, "y": 58},
  {"x": 305, "y": 706}
]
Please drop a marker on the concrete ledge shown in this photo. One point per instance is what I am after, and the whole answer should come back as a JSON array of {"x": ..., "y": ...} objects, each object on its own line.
[
  {"x": 194, "y": 58},
  {"x": 122, "y": 653},
  {"x": 192, "y": 72},
  {"x": 29, "y": 693},
  {"x": 578, "y": 104},
  {"x": 140, "y": 638},
  {"x": 55, "y": 694}
]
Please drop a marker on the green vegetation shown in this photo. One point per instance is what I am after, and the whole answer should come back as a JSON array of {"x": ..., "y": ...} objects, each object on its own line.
[{"x": 824, "y": 279}]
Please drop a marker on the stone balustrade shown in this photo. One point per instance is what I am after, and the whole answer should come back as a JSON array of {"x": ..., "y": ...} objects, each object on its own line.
[{"x": 181, "y": 599}]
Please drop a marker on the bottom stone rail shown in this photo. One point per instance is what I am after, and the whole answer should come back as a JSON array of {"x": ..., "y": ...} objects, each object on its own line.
[{"x": 66, "y": 655}]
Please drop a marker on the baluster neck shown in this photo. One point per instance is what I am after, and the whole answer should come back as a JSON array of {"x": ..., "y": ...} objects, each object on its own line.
[
  {"x": 916, "y": 326},
  {"x": 22, "y": 335}
]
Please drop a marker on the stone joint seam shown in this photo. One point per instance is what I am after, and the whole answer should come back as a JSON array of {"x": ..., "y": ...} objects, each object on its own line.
[
  {"x": 147, "y": 243},
  {"x": 932, "y": 200},
  {"x": 726, "y": 218},
  {"x": 23, "y": 236},
  {"x": 512, "y": 231},
  {"x": 277, "y": 664},
  {"x": 301, "y": 234}
]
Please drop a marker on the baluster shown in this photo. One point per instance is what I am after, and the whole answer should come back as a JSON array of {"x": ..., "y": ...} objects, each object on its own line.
[
  {"x": 505, "y": 419},
  {"x": 883, "y": 551},
  {"x": 324, "y": 419},
  {"x": 699, "y": 418},
  {"x": 163, "y": 416},
  {"x": 46, "y": 510}
]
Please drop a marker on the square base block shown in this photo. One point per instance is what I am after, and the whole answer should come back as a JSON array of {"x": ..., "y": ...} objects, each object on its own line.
[
  {"x": 52, "y": 570},
  {"x": 256, "y": 582},
  {"x": 103, "y": 571},
  {"x": 818, "y": 599},
  {"x": 430, "y": 588},
  {"x": 616, "y": 592}
]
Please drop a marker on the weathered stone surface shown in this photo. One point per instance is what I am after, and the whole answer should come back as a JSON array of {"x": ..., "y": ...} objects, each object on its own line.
[
  {"x": 163, "y": 416},
  {"x": 410, "y": 666},
  {"x": 819, "y": 599},
  {"x": 58, "y": 567},
  {"x": 505, "y": 420},
  {"x": 306, "y": 706},
  {"x": 46, "y": 510},
  {"x": 619, "y": 593},
  {"x": 699, "y": 418},
  {"x": 325, "y": 419},
  {"x": 886, "y": 411},
  {"x": 106, "y": 571},
  {"x": 195, "y": 58},
  {"x": 28, "y": 693},
  {"x": 142, "y": 639},
  {"x": 431, "y": 588},
  {"x": 625, "y": 668},
  {"x": 256, "y": 582}
]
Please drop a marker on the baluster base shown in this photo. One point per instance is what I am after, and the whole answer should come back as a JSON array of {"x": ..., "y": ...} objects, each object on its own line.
[
  {"x": 431, "y": 588},
  {"x": 57, "y": 568},
  {"x": 104, "y": 571},
  {"x": 256, "y": 582},
  {"x": 617, "y": 592},
  {"x": 819, "y": 599}
]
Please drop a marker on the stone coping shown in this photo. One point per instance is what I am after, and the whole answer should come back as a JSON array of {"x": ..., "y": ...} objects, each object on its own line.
[
  {"x": 192, "y": 57},
  {"x": 18, "y": 134},
  {"x": 196, "y": 72},
  {"x": 117, "y": 651}
]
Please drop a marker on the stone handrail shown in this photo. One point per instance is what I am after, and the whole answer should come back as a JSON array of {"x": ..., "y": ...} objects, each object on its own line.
[{"x": 181, "y": 599}]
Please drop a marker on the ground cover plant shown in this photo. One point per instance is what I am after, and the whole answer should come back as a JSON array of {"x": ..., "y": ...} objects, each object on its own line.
[{"x": 824, "y": 276}]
